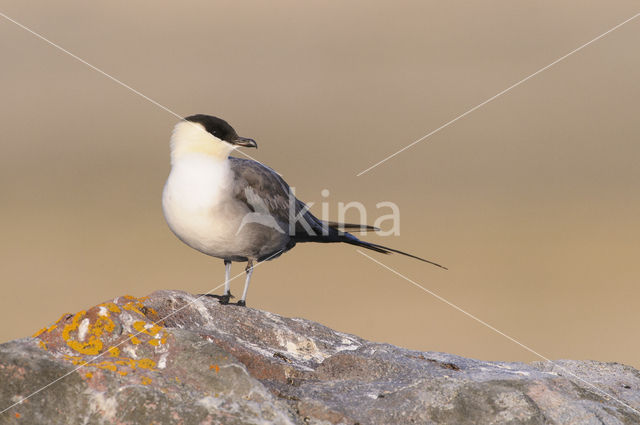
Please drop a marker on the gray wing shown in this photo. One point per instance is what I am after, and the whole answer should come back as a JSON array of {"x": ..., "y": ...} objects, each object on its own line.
[{"x": 262, "y": 190}]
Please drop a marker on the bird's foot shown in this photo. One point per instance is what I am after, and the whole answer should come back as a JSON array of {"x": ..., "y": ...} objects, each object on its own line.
[
  {"x": 223, "y": 299},
  {"x": 241, "y": 303}
]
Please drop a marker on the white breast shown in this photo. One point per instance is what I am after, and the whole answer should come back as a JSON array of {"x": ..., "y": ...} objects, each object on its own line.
[{"x": 195, "y": 202}]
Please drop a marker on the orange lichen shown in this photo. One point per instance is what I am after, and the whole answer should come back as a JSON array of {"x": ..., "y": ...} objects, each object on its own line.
[
  {"x": 215, "y": 367},
  {"x": 73, "y": 359},
  {"x": 49, "y": 329},
  {"x": 94, "y": 344},
  {"x": 146, "y": 363},
  {"x": 139, "y": 326},
  {"x": 159, "y": 341},
  {"x": 106, "y": 365},
  {"x": 134, "y": 307},
  {"x": 91, "y": 347},
  {"x": 18, "y": 415},
  {"x": 40, "y": 332},
  {"x": 73, "y": 325},
  {"x": 135, "y": 304},
  {"x": 126, "y": 362},
  {"x": 104, "y": 323},
  {"x": 111, "y": 307},
  {"x": 87, "y": 333},
  {"x": 148, "y": 328}
]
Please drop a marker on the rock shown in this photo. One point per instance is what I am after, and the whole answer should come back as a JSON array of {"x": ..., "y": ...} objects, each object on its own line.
[{"x": 171, "y": 358}]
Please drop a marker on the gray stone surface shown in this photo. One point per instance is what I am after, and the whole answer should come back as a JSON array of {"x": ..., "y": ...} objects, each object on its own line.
[{"x": 205, "y": 363}]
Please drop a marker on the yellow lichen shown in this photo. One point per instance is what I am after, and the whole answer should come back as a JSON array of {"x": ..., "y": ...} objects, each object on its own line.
[
  {"x": 111, "y": 307},
  {"x": 64, "y": 316},
  {"x": 73, "y": 325},
  {"x": 114, "y": 351},
  {"x": 135, "y": 340},
  {"x": 127, "y": 362},
  {"x": 40, "y": 332},
  {"x": 150, "y": 329},
  {"x": 91, "y": 347},
  {"x": 107, "y": 365},
  {"x": 135, "y": 304},
  {"x": 42, "y": 345},
  {"x": 103, "y": 324},
  {"x": 146, "y": 363},
  {"x": 145, "y": 380},
  {"x": 135, "y": 307},
  {"x": 139, "y": 326},
  {"x": 89, "y": 375},
  {"x": 73, "y": 358}
]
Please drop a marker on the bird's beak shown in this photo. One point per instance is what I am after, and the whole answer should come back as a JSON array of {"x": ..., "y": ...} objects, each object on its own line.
[{"x": 244, "y": 142}]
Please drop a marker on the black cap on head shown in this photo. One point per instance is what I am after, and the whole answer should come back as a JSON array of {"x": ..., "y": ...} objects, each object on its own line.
[
  {"x": 216, "y": 126},
  {"x": 221, "y": 129}
]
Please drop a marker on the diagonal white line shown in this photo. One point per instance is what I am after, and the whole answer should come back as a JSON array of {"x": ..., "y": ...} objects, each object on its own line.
[
  {"x": 128, "y": 339},
  {"x": 480, "y": 105},
  {"x": 482, "y": 322},
  {"x": 98, "y": 70},
  {"x": 366, "y": 170}
]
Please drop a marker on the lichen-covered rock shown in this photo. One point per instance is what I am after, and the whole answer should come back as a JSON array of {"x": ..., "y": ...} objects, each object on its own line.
[
  {"x": 125, "y": 367},
  {"x": 174, "y": 358}
]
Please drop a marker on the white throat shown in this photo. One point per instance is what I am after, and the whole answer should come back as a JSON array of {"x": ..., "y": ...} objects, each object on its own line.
[{"x": 190, "y": 139}]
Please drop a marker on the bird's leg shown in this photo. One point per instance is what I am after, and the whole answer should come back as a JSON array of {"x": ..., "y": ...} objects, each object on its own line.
[
  {"x": 249, "y": 270},
  {"x": 224, "y": 299},
  {"x": 227, "y": 281}
]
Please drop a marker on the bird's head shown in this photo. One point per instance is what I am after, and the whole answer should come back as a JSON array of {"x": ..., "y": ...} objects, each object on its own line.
[{"x": 204, "y": 134}]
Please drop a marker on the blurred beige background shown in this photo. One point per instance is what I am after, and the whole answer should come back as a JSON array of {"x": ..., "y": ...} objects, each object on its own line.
[{"x": 531, "y": 201}]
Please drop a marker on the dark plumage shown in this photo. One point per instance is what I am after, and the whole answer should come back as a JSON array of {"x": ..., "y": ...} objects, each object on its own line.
[{"x": 216, "y": 126}]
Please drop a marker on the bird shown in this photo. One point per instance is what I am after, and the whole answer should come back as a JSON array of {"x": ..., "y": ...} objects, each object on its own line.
[{"x": 237, "y": 209}]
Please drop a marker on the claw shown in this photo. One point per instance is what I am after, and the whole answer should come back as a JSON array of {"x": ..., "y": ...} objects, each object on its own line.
[{"x": 223, "y": 299}]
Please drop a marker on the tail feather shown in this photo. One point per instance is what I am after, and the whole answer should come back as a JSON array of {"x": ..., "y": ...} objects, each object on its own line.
[
  {"x": 385, "y": 249},
  {"x": 351, "y": 226},
  {"x": 336, "y": 233}
]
